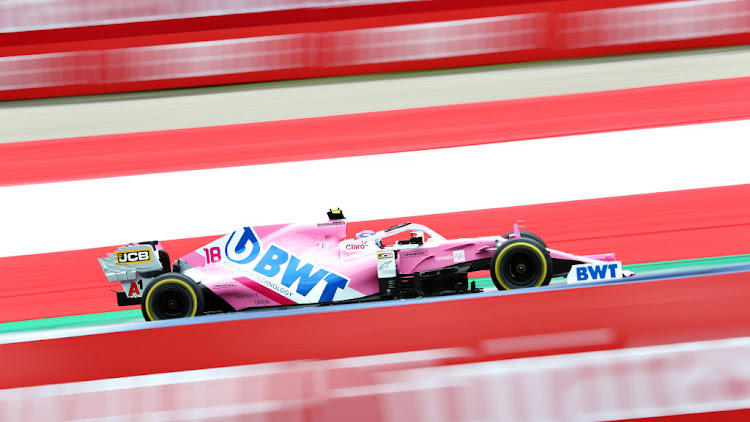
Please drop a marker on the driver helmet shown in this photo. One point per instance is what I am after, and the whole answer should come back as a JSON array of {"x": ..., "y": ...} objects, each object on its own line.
[
  {"x": 368, "y": 233},
  {"x": 364, "y": 233}
]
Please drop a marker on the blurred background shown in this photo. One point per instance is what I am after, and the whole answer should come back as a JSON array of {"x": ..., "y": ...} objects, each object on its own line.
[{"x": 616, "y": 126}]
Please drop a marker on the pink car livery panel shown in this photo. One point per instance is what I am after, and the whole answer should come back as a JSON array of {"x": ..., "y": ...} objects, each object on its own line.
[
  {"x": 284, "y": 265},
  {"x": 310, "y": 264}
]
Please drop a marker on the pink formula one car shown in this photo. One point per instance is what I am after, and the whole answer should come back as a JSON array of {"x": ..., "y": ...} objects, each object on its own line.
[{"x": 296, "y": 264}]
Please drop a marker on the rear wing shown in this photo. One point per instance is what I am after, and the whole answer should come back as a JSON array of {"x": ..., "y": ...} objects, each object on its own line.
[{"x": 134, "y": 266}]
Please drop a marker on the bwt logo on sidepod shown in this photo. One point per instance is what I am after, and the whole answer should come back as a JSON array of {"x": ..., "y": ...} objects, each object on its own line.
[
  {"x": 281, "y": 266},
  {"x": 243, "y": 249}
]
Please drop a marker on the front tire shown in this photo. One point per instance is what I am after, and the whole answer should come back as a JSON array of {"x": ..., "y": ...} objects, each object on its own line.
[
  {"x": 528, "y": 235},
  {"x": 520, "y": 263},
  {"x": 172, "y": 295}
]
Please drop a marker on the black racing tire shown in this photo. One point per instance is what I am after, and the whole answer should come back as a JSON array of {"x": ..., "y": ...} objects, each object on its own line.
[
  {"x": 528, "y": 235},
  {"x": 172, "y": 295},
  {"x": 520, "y": 263}
]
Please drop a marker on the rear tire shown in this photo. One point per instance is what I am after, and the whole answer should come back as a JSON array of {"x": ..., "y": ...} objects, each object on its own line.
[
  {"x": 172, "y": 295},
  {"x": 520, "y": 263}
]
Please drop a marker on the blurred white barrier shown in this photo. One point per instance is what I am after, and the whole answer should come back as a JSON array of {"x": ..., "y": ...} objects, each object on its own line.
[
  {"x": 279, "y": 52},
  {"x": 672, "y": 21},
  {"x": 220, "y": 57},
  {"x": 435, "y": 40},
  {"x": 159, "y": 62},
  {"x": 33, "y": 15},
  {"x": 416, "y": 386},
  {"x": 528, "y": 36},
  {"x": 53, "y": 69}
]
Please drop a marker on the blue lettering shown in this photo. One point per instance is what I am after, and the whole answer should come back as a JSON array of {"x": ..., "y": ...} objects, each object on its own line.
[
  {"x": 581, "y": 274},
  {"x": 271, "y": 263},
  {"x": 307, "y": 280},
  {"x": 242, "y": 250},
  {"x": 335, "y": 281},
  {"x": 612, "y": 268},
  {"x": 598, "y": 271}
]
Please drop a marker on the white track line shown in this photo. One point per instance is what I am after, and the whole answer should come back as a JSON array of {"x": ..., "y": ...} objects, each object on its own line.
[{"x": 101, "y": 212}]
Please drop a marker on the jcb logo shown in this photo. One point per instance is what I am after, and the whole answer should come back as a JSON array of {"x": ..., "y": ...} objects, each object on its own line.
[{"x": 134, "y": 257}]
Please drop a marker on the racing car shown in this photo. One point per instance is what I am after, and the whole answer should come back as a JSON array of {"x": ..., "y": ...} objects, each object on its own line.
[{"x": 313, "y": 264}]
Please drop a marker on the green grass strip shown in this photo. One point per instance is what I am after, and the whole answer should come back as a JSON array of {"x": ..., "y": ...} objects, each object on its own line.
[{"x": 72, "y": 321}]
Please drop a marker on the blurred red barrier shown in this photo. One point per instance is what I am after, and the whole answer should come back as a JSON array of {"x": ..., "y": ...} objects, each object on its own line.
[
  {"x": 681, "y": 382},
  {"x": 494, "y": 327},
  {"x": 439, "y": 39},
  {"x": 65, "y": 14},
  {"x": 78, "y": 20}
]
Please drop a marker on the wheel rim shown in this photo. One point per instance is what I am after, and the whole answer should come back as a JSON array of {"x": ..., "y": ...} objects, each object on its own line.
[
  {"x": 172, "y": 302},
  {"x": 521, "y": 269}
]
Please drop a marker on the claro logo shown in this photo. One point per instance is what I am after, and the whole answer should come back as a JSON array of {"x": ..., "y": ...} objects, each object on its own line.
[
  {"x": 134, "y": 256},
  {"x": 356, "y": 246}
]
